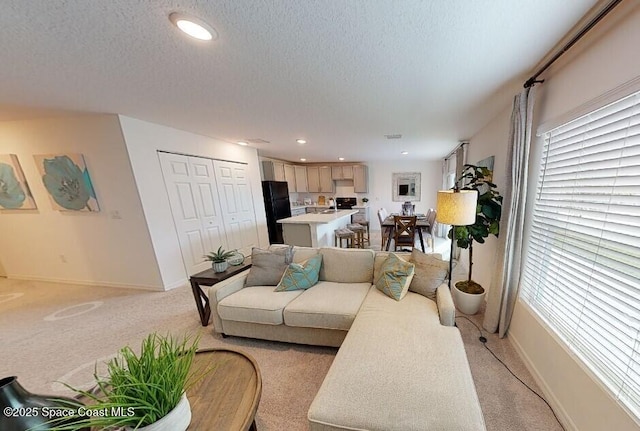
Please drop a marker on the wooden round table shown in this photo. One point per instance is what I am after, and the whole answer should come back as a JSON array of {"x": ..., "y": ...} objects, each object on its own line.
[{"x": 226, "y": 398}]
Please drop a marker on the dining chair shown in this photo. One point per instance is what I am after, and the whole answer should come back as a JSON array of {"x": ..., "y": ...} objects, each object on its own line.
[
  {"x": 384, "y": 230},
  {"x": 404, "y": 234},
  {"x": 431, "y": 229}
]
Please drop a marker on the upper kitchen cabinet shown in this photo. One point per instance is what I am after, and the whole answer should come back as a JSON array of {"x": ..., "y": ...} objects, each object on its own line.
[
  {"x": 313, "y": 179},
  {"x": 342, "y": 172},
  {"x": 273, "y": 171},
  {"x": 290, "y": 177},
  {"x": 360, "y": 180},
  {"x": 319, "y": 179},
  {"x": 326, "y": 182},
  {"x": 301, "y": 179}
]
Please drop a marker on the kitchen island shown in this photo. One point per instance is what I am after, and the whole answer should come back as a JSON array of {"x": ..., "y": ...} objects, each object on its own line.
[{"x": 314, "y": 230}]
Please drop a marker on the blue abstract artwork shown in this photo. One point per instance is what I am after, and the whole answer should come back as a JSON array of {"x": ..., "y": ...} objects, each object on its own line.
[
  {"x": 66, "y": 178},
  {"x": 14, "y": 190}
]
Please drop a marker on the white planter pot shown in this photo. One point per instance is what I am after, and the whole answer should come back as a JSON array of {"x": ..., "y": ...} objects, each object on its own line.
[
  {"x": 467, "y": 303},
  {"x": 177, "y": 419},
  {"x": 220, "y": 266}
]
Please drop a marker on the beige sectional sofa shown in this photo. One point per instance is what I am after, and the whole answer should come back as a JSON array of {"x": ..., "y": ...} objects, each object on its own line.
[{"x": 401, "y": 364}]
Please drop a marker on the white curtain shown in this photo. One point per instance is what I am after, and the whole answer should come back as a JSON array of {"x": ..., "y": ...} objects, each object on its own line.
[{"x": 504, "y": 291}]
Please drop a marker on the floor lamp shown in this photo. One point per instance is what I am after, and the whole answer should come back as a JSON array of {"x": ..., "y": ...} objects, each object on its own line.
[{"x": 456, "y": 208}]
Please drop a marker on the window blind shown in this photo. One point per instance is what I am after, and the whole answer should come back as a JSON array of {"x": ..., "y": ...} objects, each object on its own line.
[{"x": 582, "y": 270}]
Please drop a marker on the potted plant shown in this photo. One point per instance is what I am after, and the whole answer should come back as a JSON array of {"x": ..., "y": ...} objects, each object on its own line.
[
  {"x": 468, "y": 294},
  {"x": 219, "y": 259},
  {"x": 145, "y": 391},
  {"x": 365, "y": 200}
]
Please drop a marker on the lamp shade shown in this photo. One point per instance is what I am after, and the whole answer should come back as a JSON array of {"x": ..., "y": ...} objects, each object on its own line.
[{"x": 457, "y": 208}]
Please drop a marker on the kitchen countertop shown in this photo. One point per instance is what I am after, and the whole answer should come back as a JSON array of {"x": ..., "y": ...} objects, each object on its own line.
[
  {"x": 317, "y": 218},
  {"x": 325, "y": 206}
]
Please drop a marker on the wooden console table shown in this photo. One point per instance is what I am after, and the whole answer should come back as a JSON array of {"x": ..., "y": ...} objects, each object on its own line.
[{"x": 209, "y": 278}]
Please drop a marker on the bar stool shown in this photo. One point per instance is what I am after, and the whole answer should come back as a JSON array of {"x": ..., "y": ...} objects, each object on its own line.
[
  {"x": 362, "y": 220},
  {"x": 359, "y": 231},
  {"x": 343, "y": 233}
]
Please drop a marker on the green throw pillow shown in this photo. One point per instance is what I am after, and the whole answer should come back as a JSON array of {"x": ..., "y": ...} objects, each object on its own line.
[
  {"x": 300, "y": 275},
  {"x": 395, "y": 277}
]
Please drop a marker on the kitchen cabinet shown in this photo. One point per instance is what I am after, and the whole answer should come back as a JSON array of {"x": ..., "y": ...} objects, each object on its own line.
[
  {"x": 301, "y": 179},
  {"x": 290, "y": 177},
  {"x": 298, "y": 211},
  {"x": 313, "y": 179},
  {"x": 326, "y": 182},
  {"x": 273, "y": 171},
  {"x": 342, "y": 172},
  {"x": 360, "y": 179}
]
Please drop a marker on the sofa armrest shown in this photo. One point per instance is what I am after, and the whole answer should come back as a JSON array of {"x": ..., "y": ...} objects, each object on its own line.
[
  {"x": 221, "y": 290},
  {"x": 446, "y": 308}
]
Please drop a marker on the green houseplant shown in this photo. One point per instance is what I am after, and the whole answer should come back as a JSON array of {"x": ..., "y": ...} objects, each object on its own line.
[
  {"x": 219, "y": 259},
  {"x": 488, "y": 213},
  {"x": 141, "y": 390}
]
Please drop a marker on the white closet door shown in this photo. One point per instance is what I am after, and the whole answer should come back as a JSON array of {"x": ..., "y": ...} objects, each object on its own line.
[
  {"x": 236, "y": 200},
  {"x": 191, "y": 187}
]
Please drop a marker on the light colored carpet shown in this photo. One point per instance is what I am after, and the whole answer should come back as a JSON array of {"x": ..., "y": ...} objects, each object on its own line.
[{"x": 44, "y": 341}]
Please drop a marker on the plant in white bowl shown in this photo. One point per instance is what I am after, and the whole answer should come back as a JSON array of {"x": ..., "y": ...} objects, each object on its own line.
[
  {"x": 145, "y": 391},
  {"x": 219, "y": 258}
]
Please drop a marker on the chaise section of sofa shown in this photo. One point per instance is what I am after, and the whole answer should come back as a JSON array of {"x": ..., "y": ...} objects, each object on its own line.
[{"x": 398, "y": 369}]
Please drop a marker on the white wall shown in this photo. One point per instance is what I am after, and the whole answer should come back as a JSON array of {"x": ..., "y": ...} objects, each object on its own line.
[
  {"x": 606, "y": 59},
  {"x": 98, "y": 249},
  {"x": 490, "y": 141},
  {"x": 143, "y": 140},
  {"x": 381, "y": 185}
]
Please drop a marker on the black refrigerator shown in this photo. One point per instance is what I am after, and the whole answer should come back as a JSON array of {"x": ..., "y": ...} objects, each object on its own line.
[{"x": 277, "y": 206}]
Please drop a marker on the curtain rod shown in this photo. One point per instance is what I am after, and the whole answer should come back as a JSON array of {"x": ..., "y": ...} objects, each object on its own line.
[
  {"x": 448, "y": 156},
  {"x": 532, "y": 81}
]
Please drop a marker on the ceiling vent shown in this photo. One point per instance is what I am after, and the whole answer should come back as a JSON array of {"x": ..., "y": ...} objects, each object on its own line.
[
  {"x": 258, "y": 141},
  {"x": 394, "y": 136}
]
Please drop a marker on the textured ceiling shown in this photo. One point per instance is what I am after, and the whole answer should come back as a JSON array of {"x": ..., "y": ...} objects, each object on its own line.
[{"x": 339, "y": 73}]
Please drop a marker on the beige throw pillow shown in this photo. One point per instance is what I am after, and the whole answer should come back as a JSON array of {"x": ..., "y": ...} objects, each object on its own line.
[
  {"x": 430, "y": 272},
  {"x": 267, "y": 266}
]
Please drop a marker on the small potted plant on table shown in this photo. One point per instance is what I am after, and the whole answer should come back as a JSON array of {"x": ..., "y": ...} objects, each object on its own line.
[{"x": 219, "y": 259}]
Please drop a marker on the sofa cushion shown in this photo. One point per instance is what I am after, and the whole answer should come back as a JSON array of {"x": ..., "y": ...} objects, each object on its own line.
[
  {"x": 326, "y": 305},
  {"x": 256, "y": 304},
  {"x": 267, "y": 266},
  {"x": 299, "y": 276},
  {"x": 347, "y": 265},
  {"x": 431, "y": 271},
  {"x": 395, "y": 277}
]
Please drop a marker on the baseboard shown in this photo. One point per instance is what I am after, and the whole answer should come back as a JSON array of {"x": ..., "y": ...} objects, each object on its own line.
[
  {"x": 84, "y": 282},
  {"x": 564, "y": 417},
  {"x": 179, "y": 283}
]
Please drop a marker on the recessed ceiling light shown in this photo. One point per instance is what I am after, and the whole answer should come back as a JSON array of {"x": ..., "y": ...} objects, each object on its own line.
[
  {"x": 194, "y": 27},
  {"x": 404, "y": 153},
  {"x": 302, "y": 159},
  {"x": 340, "y": 158},
  {"x": 301, "y": 141},
  {"x": 244, "y": 144}
]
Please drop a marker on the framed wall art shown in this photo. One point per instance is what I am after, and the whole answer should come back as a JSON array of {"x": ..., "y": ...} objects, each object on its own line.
[
  {"x": 66, "y": 178},
  {"x": 14, "y": 189}
]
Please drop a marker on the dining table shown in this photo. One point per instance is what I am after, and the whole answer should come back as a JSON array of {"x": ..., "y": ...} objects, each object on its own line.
[{"x": 421, "y": 223}]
